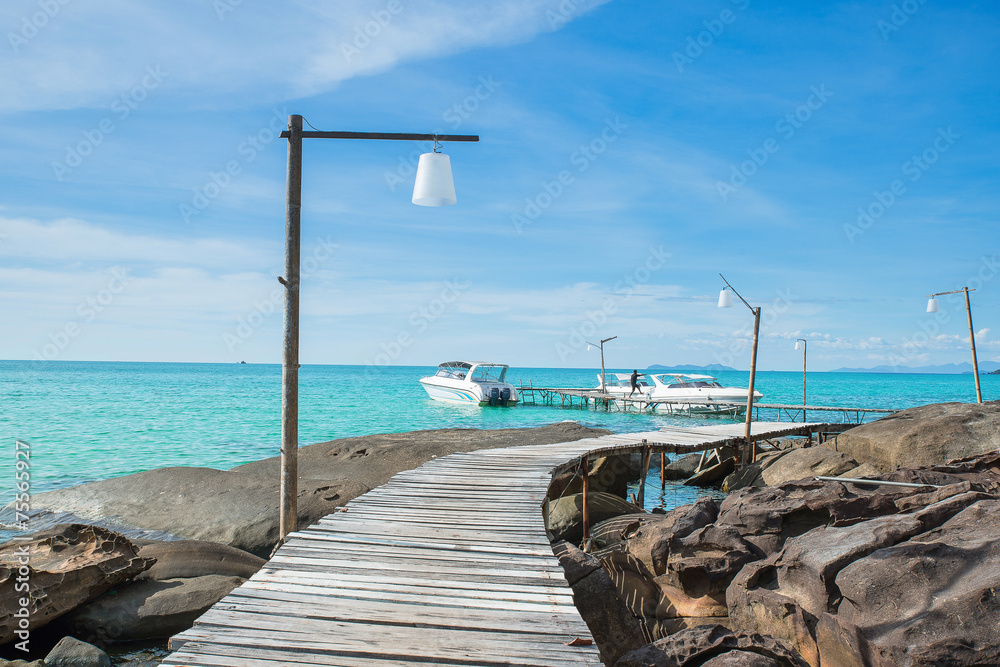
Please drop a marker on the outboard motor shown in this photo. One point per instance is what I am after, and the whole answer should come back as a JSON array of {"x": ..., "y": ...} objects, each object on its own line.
[
  {"x": 504, "y": 396},
  {"x": 494, "y": 396}
]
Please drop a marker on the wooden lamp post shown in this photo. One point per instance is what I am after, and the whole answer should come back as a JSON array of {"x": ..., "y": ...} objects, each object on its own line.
[
  {"x": 932, "y": 307},
  {"x": 726, "y": 301},
  {"x": 433, "y": 187}
]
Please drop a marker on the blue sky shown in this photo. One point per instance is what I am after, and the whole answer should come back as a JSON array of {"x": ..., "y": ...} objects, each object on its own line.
[{"x": 835, "y": 161}]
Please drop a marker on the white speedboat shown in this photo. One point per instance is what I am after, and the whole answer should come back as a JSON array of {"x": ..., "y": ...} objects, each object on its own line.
[
  {"x": 476, "y": 382},
  {"x": 696, "y": 394}
]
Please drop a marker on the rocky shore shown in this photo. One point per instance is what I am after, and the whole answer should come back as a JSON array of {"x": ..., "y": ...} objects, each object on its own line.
[{"x": 789, "y": 570}]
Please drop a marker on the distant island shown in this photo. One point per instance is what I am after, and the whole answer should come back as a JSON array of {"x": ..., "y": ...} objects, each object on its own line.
[
  {"x": 985, "y": 367},
  {"x": 686, "y": 368}
]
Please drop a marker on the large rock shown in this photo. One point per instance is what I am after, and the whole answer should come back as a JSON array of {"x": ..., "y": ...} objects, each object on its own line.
[
  {"x": 239, "y": 507},
  {"x": 564, "y": 520},
  {"x": 149, "y": 609},
  {"x": 790, "y": 464},
  {"x": 808, "y": 565},
  {"x": 614, "y": 628},
  {"x": 934, "y": 599},
  {"x": 650, "y": 543},
  {"x": 616, "y": 530},
  {"x": 71, "y": 652},
  {"x": 840, "y": 571},
  {"x": 608, "y": 474},
  {"x": 930, "y": 434},
  {"x": 52, "y": 572},
  {"x": 682, "y": 468},
  {"x": 715, "y": 646},
  {"x": 767, "y": 517},
  {"x": 704, "y": 562},
  {"x": 805, "y": 462},
  {"x": 195, "y": 558}
]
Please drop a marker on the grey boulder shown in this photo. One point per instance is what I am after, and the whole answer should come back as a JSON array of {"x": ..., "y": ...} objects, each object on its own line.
[
  {"x": 149, "y": 609},
  {"x": 71, "y": 652}
]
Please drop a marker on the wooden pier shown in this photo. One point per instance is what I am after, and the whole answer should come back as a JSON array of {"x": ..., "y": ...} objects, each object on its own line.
[
  {"x": 447, "y": 564},
  {"x": 586, "y": 398}
]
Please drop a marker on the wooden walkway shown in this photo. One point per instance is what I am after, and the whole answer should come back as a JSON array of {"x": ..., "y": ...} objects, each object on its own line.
[
  {"x": 448, "y": 564},
  {"x": 585, "y": 398}
]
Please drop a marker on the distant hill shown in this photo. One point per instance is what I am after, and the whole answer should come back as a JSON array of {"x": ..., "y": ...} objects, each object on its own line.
[
  {"x": 943, "y": 369},
  {"x": 688, "y": 368}
]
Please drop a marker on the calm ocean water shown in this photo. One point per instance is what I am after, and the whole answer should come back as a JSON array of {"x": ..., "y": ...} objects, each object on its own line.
[{"x": 87, "y": 421}]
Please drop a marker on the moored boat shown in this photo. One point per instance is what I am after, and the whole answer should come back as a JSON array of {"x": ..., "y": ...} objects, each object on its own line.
[
  {"x": 475, "y": 382},
  {"x": 681, "y": 392}
]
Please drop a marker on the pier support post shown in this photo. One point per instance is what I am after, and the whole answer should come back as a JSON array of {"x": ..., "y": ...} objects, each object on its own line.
[
  {"x": 663, "y": 470},
  {"x": 644, "y": 470},
  {"x": 585, "y": 477}
]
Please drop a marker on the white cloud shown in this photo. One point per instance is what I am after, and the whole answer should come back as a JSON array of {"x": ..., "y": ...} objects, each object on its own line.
[
  {"x": 80, "y": 241},
  {"x": 88, "y": 53}
]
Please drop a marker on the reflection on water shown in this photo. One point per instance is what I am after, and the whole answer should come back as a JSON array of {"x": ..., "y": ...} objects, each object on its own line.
[{"x": 670, "y": 493}]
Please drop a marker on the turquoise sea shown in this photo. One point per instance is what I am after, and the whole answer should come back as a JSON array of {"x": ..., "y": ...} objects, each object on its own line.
[{"x": 86, "y": 421}]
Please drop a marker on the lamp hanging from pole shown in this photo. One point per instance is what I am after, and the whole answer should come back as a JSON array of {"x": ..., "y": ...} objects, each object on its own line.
[
  {"x": 434, "y": 185},
  {"x": 725, "y": 299},
  {"x": 932, "y": 305}
]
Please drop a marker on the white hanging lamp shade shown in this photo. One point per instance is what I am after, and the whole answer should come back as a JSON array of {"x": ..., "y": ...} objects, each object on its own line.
[
  {"x": 798, "y": 345},
  {"x": 434, "y": 185},
  {"x": 725, "y": 299},
  {"x": 932, "y": 305}
]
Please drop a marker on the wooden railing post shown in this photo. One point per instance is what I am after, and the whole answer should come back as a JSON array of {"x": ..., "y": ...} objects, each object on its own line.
[
  {"x": 585, "y": 476},
  {"x": 641, "y": 498}
]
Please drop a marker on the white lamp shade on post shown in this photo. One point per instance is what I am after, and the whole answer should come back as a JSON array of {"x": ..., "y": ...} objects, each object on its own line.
[
  {"x": 434, "y": 185},
  {"x": 932, "y": 305},
  {"x": 798, "y": 345},
  {"x": 725, "y": 299}
]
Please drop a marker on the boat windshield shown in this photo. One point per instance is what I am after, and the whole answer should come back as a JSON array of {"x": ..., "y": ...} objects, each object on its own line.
[
  {"x": 489, "y": 373},
  {"x": 688, "y": 382},
  {"x": 456, "y": 373}
]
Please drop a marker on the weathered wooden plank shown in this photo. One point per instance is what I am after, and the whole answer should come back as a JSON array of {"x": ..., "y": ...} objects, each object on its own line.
[
  {"x": 418, "y": 598},
  {"x": 339, "y": 583},
  {"x": 512, "y": 643},
  {"x": 328, "y": 654},
  {"x": 315, "y": 606}
]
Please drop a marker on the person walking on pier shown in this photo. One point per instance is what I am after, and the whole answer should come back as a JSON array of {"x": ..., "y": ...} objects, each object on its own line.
[{"x": 635, "y": 383}]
